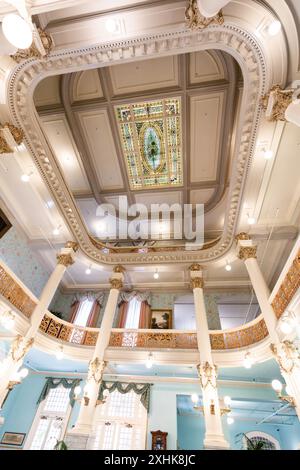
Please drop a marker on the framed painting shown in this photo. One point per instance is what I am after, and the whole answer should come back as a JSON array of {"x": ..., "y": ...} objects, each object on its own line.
[
  {"x": 4, "y": 224},
  {"x": 161, "y": 319},
  {"x": 13, "y": 438}
]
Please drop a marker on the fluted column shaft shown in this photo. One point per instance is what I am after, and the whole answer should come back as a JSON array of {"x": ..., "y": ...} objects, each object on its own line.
[
  {"x": 214, "y": 436},
  {"x": 21, "y": 345}
]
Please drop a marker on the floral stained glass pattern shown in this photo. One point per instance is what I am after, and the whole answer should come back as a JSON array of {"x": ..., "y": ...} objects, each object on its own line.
[{"x": 151, "y": 142}]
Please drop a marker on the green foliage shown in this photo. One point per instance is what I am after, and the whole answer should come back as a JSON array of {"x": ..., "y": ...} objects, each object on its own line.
[
  {"x": 57, "y": 314},
  {"x": 60, "y": 445},
  {"x": 257, "y": 445}
]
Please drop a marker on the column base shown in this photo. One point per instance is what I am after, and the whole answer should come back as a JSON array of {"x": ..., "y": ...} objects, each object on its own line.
[
  {"x": 215, "y": 442},
  {"x": 77, "y": 441}
]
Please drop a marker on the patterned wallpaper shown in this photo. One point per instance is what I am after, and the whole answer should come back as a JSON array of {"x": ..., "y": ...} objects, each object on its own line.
[{"x": 21, "y": 259}]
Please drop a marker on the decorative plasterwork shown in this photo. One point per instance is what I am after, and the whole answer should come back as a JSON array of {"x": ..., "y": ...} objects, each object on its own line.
[
  {"x": 207, "y": 374},
  {"x": 151, "y": 141},
  {"x": 276, "y": 102},
  {"x": 286, "y": 355},
  {"x": 230, "y": 38},
  {"x": 194, "y": 19},
  {"x": 40, "y": 48},
  {"x": 288, "y": 288},
  {"x": 20, "y": 347},
  {"x": 65, "y": 259},
  {"x": 247, "y": 252}
]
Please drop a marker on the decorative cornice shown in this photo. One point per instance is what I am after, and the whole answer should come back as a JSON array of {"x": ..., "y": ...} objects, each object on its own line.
[
  {"x": 65, "y": 259},
  {"x": 73, "y": 245},
  {"x": 275, "y": 103},
  {"x": 116, "y": 283},
  {"x": 247, "y": 252},
  {"x": 196, "y": 283},
  {"x": 226, "y": 37},
  {"x": 195, "y": 20}
]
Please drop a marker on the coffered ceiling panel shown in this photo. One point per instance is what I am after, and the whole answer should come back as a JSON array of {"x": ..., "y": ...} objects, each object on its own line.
[
  {"x": 165, "y": 197},
  {"x": 87, "y": 86},
  {"x": 205, "y": 132},
  {"x": 205, "y": 67},
  {"x": 100, "y": 141},
  {"x": 144, "y": 75},
  {"x": 62, "y": 143},
  {"x": 47, "y": 91},
  {"x": 201, "y": 196}
]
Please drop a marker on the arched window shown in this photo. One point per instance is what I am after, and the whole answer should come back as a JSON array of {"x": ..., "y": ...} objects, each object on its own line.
[
  {"x": 270, "y": 443},
  {"x": 133, "y": 313}
]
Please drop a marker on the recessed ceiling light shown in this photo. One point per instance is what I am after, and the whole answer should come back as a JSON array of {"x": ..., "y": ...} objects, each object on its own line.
[
  {"x": 17, "y": 31},
  {"x": 251, "y": 220},
  {"x": 274, "y": 28},
  {"x": 25, "y": 178},
  {"x": 228, "y": 267},
  {"x": 111, "y": 25}
]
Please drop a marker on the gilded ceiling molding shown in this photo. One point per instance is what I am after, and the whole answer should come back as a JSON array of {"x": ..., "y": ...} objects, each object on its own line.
[
  {"x": 27, "y": 74},
  {"x": 195, "y": 20},
  {"x": 276, "y": 102}
]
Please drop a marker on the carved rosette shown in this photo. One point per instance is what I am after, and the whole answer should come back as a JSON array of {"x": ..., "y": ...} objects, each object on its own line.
[
  {"x": 116, "y": 283},
  {"x": 73, "y": 245},
  {"x": 96, "y": 369},
  {"x": 65, "y": 259},
  {"x": 195, "y": 21},
  {"x": 20, "y": 346},
  {"x": 287, "y": 356},
  {"x": 247, "y": 252},
  {"x": 276, "y": 102},
  {"x": 197, "y": 283},
  {"x": 207, "y": 374}
]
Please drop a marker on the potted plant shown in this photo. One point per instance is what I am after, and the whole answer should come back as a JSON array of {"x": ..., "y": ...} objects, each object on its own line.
[{"x": 252, "y": 445}]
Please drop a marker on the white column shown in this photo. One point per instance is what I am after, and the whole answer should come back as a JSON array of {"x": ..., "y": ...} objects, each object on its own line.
[
  {"x": 284, "y": 352},
  {"x": 97, "y": 365},
  {"x": 21, "y": 345},
  {"x": 214, "y": 436}
]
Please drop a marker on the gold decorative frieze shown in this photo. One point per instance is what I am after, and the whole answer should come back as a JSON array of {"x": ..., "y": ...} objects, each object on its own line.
[
  {"x": 19, "y": 347},
  {"x": 96, "y": 369},
  {"x": 33, "y": 52},
  {"x": 287, "y": 356},
  {"x": 65, "y": 259},
  {"x": 73, "y": 245},
  {"x": 247, "y": 252},
  {"x": 242, "y": 236},
  {"x": 15, "y": 294},
  {"x": 288, "y": 288},
  {"x": 196, "y": 282},
  {"x": 116, "y": 283},
  {"x": 195, "y": 20},
  {"x": 276, "y": 102},
  {"x": 207, "y": 374}
]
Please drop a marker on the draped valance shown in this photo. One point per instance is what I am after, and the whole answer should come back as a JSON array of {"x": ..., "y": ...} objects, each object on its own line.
[
  {"x": 80, "y": 297},
  {"x": 52, "y": 382},
  {"x": 141, "y": 296},
  {"x": 140, "y": 389}
]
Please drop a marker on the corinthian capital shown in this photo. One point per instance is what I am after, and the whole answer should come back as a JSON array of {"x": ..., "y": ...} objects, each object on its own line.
[
  {"x": 247, "y": 252},
  {"x": 10, "y": 137},
  {"x": 196, "y": 282},
  {"x": 65, "y": 259},
  {"x": 276, "y": 102},
  {"x": 116, "y": 283},
  {"x": 73, "y": 245}
]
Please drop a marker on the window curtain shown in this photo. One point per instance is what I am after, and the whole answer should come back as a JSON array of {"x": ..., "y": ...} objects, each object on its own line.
[
  {"x": 142, "y": 296},
  {"x": 94, "y": 314},
  {"x": 145, "y": 315},
  {"x": 52, "y": 382},
  {"x": 74, "y": 310},
  {"x": 140, "y": 389},
  {"x": 123, "y": 309}
]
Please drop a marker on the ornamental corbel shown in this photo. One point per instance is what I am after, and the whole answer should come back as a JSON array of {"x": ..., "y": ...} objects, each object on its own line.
[
  {"x": 194, "y": 20},
  {"x": 20, "y": 346},
  {"x": 207, "y": 374}
]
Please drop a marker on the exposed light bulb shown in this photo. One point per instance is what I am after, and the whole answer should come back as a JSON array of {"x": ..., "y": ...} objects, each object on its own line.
[
  {"x": 111, "y": 25},
  {"x": 25, "y": 178},
  {"x": 276, "y": 385},
  {"x": 286, "y": 327},
  {"x": 23, "y": 372},
  {"x": 149, "y": 361},
  {"x": 227, "y": 400},
  {"x": 194, "y": 398},
  {"x": 50, "y": 204},
  {"x": 228, "y": 267},
  {"x": 268, "y": 154},
  {"x": 59, "y": 354},
  {"x": 56, "y": 232},
  {"x": 248, "y": 361},
  {"x": 288, "y": 391},
  {"x": 88, "y": 271},
  {"x": 230, "y": 420},
  {"x": 87, "y": 389},
  {"x": 156, "y": 275},
  {"x": 251, "y": 220},
  {"x": 274, "y": 28},
  {"x": 17, "y": 31}
]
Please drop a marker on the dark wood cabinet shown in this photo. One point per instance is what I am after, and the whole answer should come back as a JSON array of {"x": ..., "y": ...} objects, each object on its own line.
[{"x": 159, "y": 440}]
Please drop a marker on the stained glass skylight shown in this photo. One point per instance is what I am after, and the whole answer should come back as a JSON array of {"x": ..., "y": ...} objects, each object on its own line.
[{"x": 151, "y": 142}]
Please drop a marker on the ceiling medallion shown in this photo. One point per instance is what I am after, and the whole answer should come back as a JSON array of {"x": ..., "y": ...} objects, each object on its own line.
[{"x": 151, "y": 142}]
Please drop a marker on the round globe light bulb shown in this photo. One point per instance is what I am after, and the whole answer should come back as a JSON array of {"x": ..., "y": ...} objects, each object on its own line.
[
  {"x": 23, "y": 372},
  {"x": 277, "y": 385},
  {"x": 59, "y": 355},
  {"x": 88, "y": 271},
  {"x": 156, "y": 275},
  {"x": 274, "y": 28},
  {"x": 25, "y": 178},
  {"x": 268, "y": 154},
  {"x": 227, "y": 400},
  {"x": 17, "y": 31},
  {"x": 228, "y": 267},
  {"x": 230, "y": 420},
  {"x": 8, "y": 323},
  {"x": 247, "y": 363},
  {"x": 111, "y": 25},
  {"x": 251, "y": 220},
  {"x": 194, "y": 398},
  {"x": 55, "y": 232},
  {"x": 286, "y": 327}
]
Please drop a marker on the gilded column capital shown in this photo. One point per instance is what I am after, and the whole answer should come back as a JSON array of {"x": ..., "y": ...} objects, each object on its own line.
[
  {"x": 20, "y": 346},
  {"x": 65, "y": 259},
  {"x": 40, "y": 48},
  {"x": 96, "y": 370},
  {"x": 10, "y": 137},
  {"x": 275, "y": 103},
  {"x": 207, "y": 374},
  {"x": 116, "y": 283},
  {"x": 196, "y": 267},
  {"x": 119, "y": 269},
  {"x": 194, "y": 20},
  {"x": 286, "y": 355},
  {"x": 73, "y": 245},
  {"x": 246, "y": 252},
  {"x": 197, "y": 283},
  {"x": 242, "y": 236}
]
